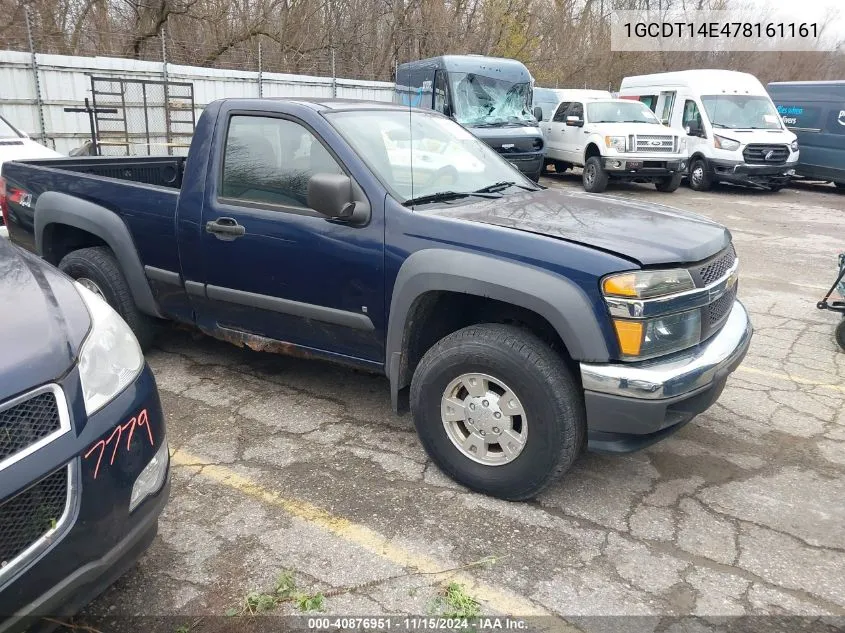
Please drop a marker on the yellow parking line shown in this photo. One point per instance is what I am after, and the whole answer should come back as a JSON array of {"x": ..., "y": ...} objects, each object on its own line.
[
  {"x": 501, "y": 600},
  {"x": 796, "y": 379}
]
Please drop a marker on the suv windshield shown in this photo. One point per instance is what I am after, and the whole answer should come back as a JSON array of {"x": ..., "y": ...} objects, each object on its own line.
[
  {"x": 741, "y": 112},
  {"x": 481, "y": 100},
  {"x": 418, "y": 154},
  {"x": 619, "y": 112},
  {"x": 6, "y": 130}
]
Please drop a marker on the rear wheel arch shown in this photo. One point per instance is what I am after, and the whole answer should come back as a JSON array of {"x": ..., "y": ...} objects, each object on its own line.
[
  {"x": 432, "y": 284},
  {"x": 65, "y": 223}
]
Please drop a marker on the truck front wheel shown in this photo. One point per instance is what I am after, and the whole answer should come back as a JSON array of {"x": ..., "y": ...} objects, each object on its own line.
[
  {"x": 669, "y": 184},
  {"x": 97, "y": 269},
  {"x": 497, "y": 410},
  {"x": 594, "y": 177}
]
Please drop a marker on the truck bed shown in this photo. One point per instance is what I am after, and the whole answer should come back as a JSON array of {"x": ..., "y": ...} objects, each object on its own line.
[
  {"x": 142, "y": 191},
  {"x": 162, "y": 171}
]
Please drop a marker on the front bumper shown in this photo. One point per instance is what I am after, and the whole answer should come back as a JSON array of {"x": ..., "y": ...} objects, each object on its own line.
[
  {"x": 98, "y": 539},
  {"x": 753, "y": 175},
  {"x": 644, "y": 166},
  {"x": 632, "y": 405},
  {"x": 529, "y": 164}
]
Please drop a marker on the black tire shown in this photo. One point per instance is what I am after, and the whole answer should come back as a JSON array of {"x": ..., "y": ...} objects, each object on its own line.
[
  {"x": 839, "y": 333},
  {"x": 553, "y": 404},
  {"x": 840, "y": 186},
  {"x": 594, "y": 177},
  {"x": 99, "y": 264},
  {"x": 561, "y": 167},
  {"x": 700, "y": 178},
  {"x": 670, "y": 184}
]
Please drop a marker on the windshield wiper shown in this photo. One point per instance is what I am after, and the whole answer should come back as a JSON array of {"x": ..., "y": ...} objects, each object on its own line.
[
  {"x": 445, "y": 196},
  {"x": 501, "y": 186}
]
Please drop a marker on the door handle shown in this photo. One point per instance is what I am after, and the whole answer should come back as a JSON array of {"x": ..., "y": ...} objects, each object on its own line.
[{"x": 226, "y": 229}]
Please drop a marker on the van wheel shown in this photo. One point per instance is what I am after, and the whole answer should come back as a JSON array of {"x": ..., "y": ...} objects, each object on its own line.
[
  {"x": 97, "y": 270},
  {"x": 670, "y": 184},
  {"x": 594, "y": 177},
  {"x": 498, "y": 410},
  {"x": 699, "y": 176}
]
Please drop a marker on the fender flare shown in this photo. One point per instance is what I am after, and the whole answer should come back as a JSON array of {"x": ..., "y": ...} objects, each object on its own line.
[
  {"x": 560, "y": 301},
  {"x": 53, "y": 207}
]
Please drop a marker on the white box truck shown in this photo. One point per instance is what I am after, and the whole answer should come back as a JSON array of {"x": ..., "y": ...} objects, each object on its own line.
[{"x": 735, "y": 132}]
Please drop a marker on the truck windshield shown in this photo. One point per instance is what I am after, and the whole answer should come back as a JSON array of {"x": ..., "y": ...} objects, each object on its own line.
[
  {"x": 417, "y": 154},
  {"x": 741, "y": 112},
  {"x": 481, "y": 100},
  {"x": 6, "y": 130},
  {"x": 619, "y": 112}
]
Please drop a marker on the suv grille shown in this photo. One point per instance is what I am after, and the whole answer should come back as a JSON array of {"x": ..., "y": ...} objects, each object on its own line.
[
  {"x": 715, "y": 269},
  {"x": 29, "y": 515},
  {"x": 759, "y": 154},
  {"x": 651, "y": 143},
  {"x": 719, "y": 309},
  {"x": 27, "y": 422}
]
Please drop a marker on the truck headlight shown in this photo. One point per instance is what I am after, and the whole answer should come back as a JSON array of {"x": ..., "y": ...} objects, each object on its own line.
[
  {"x": 656, "y": 337},
  {"x": 720, "y": 142},
  {"x": 615, "y": 142},
  {"x": 110, "y": 359},
  {"x": 151, "y": 478},
  {"x": 794, "y": 146},
  {"x": 646, "y": 284}
]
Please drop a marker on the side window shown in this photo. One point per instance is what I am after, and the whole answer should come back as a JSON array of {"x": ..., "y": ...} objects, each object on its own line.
[
  {"x": 441, "y": 95},
  {"x": 665, "y": 115},
  {"x": 560, "y": 113},
  {"x": 836, "y": 120},
  {"x": 576, "y": 109},
  {"x": 271, "y": 160},
  {"x": 650, "y": 101},
  {"x": 691, "y": 113}
]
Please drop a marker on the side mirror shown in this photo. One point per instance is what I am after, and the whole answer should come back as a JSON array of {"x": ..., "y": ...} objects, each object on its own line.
[
  {"x": 538, "y": 113},
  {"x": 331, "y": 195},
  {"x": 575, "y": 121},
  {"x": 693, "y": 128}
]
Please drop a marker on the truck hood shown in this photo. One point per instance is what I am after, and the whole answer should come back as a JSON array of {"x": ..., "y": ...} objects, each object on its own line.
[
  {"x": 648, "y": 234},
  {"x": 43, "y": 322},
  {"x": 623, "y": 129}
]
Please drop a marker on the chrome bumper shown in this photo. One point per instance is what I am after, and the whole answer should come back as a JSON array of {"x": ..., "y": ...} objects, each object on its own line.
[{"x": 680, "y": 373}]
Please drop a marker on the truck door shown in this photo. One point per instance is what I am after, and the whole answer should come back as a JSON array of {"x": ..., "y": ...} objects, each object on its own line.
[
  {"x": 273, "y": 266},
  {"x": 572, "y": 147},
  {"x": 553, "y": 132}
]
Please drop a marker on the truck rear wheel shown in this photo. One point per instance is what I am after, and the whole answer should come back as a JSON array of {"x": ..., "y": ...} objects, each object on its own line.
[
  {"x": 594, "y": 177},
  {"x": 670, "y": 184},
  {"x": 96, "y": 268},
  {"x": 561, "y": 167},
  {"x": 498, "y": 410},
  {"x": 839, "y": 333}
]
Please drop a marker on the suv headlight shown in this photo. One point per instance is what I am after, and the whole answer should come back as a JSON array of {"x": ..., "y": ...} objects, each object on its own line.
[
  {"x": 720, "y": 142},
  {"x": 110, "y": 359},
  {"x": 615, "y": 142},
  {"x": 794, "y": 146}
]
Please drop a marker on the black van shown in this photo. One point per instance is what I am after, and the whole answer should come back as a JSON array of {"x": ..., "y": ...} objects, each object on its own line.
[
  {"x": 490, "y": 96},
  {"x": 815, "y": 111}
]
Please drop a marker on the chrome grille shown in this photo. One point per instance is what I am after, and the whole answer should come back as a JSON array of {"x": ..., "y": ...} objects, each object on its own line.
[
  {"x": 717, "y": 268},
  {"x": 28, "y": 420},
  {"x": 30, "y": 515},
  {"x": 652, "y": 143},
  {"x": 760, "y": 154}
]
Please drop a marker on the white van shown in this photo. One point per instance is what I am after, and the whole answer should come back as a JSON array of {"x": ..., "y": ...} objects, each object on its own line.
[{"x": 735, "y": 132}]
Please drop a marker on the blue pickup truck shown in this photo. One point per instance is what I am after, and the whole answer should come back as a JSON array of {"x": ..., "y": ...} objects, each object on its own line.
[
  {"x": 83, "y": 451},
  {"x": 519, "y": 324}
]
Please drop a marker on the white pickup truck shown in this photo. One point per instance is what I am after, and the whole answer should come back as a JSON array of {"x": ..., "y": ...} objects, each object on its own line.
[{"x": 615, "y": 138}]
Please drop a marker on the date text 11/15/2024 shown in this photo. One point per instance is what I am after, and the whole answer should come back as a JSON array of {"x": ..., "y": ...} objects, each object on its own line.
[{"x": 421, "y": 623}]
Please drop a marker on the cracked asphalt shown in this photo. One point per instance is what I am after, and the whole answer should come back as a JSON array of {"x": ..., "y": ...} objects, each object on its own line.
[{"x": 282, "y": 463}]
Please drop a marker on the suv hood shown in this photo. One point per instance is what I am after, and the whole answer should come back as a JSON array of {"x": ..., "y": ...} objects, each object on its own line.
[
  {"x": 649, "y": 234},
  {"x": 43, "y": 322}
]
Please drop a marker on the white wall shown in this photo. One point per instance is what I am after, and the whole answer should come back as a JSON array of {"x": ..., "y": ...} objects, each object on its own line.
[{"x": 65, "y": 81}]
